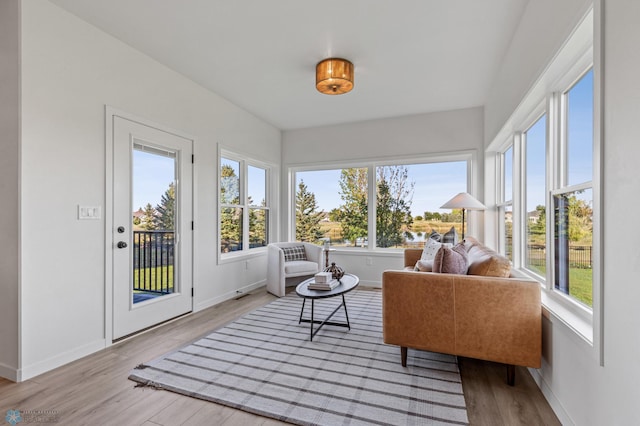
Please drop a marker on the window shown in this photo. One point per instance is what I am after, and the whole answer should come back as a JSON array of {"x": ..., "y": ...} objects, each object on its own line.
[
  {"x": 332, "y": 205},
  {"x": 399, "y": 203},
  {"x": 573, "y": 195},
  {"x": 244, "y": 204},
  {"x": 558, "y": 144},
  {"x": 554, "y": 133},
  {"x": 505, "y": 202},
  {"x": 535, "y": 189}
]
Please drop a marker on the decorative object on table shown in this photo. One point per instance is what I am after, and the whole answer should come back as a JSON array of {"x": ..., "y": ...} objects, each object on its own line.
[
  {"x": 322, "y": 277},
  {"x": 463, "y": 201},
  {"x": 323, "y": 286},
  {"x": 334, "y": 76},
  {"x": 336, "y": 271}
]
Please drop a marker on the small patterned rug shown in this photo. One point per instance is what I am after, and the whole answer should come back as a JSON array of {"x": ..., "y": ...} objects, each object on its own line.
[{"x": 265, "y": 364}]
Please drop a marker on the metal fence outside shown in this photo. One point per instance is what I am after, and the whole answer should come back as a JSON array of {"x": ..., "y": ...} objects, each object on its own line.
[{"x": 153, "y": 261}]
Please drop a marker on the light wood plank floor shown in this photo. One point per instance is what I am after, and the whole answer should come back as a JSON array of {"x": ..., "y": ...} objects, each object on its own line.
[{"x": 95, "y": 390}]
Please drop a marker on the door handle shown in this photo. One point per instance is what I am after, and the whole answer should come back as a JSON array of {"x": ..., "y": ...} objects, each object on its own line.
[{"x": 121, "y": 244}]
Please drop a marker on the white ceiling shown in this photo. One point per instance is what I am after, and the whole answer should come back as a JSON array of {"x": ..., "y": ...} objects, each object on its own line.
[{"x": 410, "y": 56}]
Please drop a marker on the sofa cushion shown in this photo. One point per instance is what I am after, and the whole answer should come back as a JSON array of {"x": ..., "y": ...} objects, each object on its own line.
[
  {"x": 430, "y": 249},
  {"x": 451, "y": 236},
  {"x": 300, "y": 267},
  {"x": 451, "y": 260},
  {"x": 434, "y": 235},
  {"x": 423, "y": 266},
  {"x": 486, "y": 262},
  {"x": 294, "y": 253}
]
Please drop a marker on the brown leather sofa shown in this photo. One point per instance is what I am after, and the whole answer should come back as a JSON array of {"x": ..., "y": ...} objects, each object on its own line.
[{"x": 484, "y": 317}]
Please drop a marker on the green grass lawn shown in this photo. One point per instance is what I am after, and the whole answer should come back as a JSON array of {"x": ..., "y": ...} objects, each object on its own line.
[
  {"x": 164, "y": 275},
  {"x": 580, "y": 283}
]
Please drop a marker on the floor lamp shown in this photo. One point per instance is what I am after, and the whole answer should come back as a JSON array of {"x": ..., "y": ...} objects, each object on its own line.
[{"x": 463, "y": 201}]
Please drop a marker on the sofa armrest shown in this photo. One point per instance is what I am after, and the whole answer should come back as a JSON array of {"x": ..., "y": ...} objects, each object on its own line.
[
  {"x": 499, "y": 319},
  {"x": 417, "y": 311},
  {"x": 495, "y": 319},
  {"x": 411, "y": 256},
  {"x": 314, "y": 254}
]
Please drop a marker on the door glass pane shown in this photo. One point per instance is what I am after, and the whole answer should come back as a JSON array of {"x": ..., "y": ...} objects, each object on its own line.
[
  {"x": 535, "y": 137},
  {"x": 153, "y": 222}
]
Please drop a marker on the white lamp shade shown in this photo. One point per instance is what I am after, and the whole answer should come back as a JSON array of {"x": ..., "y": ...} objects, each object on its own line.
[{"x": 463, "y": 201}]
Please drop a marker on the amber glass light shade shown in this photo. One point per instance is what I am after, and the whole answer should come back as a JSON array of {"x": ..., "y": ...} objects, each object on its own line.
[{"x": 334, "y": 76}]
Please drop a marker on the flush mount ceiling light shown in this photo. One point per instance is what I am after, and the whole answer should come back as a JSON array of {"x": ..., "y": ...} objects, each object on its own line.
[{"x": 334, "y": 76}]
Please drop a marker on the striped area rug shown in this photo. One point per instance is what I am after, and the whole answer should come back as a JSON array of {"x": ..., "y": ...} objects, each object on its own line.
[{"x": 265, "y": 364}]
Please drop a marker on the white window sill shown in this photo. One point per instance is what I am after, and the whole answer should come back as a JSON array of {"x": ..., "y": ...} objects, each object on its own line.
[
  {"x": 562, "y": 312},
  {"x": 237, "y": 256}
]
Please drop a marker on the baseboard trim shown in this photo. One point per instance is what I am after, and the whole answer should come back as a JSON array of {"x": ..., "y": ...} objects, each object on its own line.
[
  {"x": 59, "y": 360},
  {"x": 227, "y": 296},
  {"x": 554, "y": 402},
  {"x": 10, "y": 373}
]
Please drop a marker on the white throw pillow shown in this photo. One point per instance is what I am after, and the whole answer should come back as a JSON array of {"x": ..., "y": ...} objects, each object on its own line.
[{"x": 431, "y": 247}]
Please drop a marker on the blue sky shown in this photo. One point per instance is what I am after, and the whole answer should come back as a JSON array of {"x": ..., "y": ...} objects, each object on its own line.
[
  {"x": 580, "y": 143},
  {"x": 435, "y": 184},
  {"x": 152, "y": 175}
]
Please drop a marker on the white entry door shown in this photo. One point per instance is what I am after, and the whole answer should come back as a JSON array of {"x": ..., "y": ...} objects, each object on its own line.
[{"x": 152, "y": 226}]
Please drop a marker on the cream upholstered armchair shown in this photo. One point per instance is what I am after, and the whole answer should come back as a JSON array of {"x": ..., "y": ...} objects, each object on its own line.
[{"x": 291, "y": 260}]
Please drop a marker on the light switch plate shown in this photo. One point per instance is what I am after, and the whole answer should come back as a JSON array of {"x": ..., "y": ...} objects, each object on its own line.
[{"x": 89, "y": 212}]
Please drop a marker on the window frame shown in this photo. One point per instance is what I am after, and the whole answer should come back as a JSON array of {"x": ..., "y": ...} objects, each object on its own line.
[
  {"x": 468, "y": 156},
  {"x": 245, "y": 162},
  {"x": 502, "y": 200},
  {"x": 572, "y": 62},
  {"x": 540, "y": 112}
]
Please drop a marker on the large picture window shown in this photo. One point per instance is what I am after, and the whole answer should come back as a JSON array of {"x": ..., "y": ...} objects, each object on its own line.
[
  {"x": 398, "y": 203},
  {"x": 244, "y": 204}
]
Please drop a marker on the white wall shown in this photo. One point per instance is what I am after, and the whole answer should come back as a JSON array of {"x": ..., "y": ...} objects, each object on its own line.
[
  {"x": 416, "y": 135},
  {"x": 581, "y": 391},
  {"x": 70, "y": 71},
  {"x": 9, "y": 186}
]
